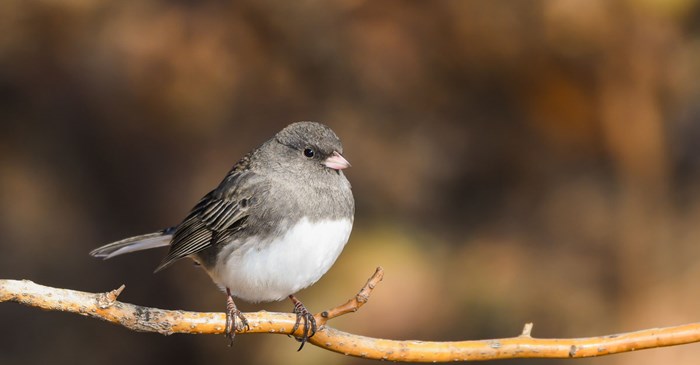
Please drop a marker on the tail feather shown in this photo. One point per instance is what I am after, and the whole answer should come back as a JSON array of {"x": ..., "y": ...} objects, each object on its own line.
[{"x": 133, "y": 244}]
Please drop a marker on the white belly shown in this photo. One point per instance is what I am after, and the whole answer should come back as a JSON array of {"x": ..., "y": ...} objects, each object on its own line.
[{"x": 283, "y": 266}]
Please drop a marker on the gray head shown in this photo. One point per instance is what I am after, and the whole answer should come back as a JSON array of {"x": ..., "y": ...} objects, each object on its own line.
[
  {"x": 305, "y": 162},
  {"x": 312, "y": 144}
]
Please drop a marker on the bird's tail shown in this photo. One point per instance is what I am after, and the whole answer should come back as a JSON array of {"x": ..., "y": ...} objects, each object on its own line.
[{"x": 133, "y": 244}]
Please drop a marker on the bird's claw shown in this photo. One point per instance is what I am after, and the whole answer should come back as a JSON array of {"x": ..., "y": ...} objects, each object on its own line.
[
  {"x": 303, "y": 314},
  {"x": 231, "y": 324}
]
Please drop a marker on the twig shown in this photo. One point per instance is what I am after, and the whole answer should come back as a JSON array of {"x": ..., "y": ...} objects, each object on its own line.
[
  {"x": 356, "y": 302},
  {"x": 105, "y": 306}
]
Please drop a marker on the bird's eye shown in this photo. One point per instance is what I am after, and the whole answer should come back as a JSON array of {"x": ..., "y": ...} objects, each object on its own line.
[{"x": 308, "y": 152}]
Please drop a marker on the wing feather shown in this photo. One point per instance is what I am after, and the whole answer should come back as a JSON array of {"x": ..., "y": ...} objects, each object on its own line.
[{"x": 217, "y": 217}]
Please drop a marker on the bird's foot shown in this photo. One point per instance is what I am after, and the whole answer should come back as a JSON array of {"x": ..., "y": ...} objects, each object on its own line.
[
  {"x": 303, "y": 314},
  {"x": 231, "y": 314}
]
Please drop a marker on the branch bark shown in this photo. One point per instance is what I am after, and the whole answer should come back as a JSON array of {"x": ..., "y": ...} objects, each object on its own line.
[{"x": 105, "y": 306}]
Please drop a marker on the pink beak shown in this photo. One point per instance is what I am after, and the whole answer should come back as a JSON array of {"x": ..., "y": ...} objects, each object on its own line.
[{"x": 336, "y": 162}]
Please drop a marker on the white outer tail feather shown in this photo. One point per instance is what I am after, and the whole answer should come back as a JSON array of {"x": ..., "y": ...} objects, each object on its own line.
[{"x": 132, "y": 244}]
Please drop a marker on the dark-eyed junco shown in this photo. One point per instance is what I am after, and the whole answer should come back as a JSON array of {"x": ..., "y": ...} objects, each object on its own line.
[{"x": 273, "y": 226}]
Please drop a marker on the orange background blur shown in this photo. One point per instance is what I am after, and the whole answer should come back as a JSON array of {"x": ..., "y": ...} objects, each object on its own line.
[{"x": 513, "y": 161}]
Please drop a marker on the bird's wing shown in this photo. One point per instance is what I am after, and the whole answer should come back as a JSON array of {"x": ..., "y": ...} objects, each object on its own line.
[{"x": 219, "y": 215}]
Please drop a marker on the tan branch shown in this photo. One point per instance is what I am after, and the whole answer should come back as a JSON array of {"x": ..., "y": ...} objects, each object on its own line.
[{"x": 105, "y": 306}]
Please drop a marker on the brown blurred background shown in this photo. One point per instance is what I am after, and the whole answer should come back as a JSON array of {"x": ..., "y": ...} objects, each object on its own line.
[{"x": 513, "y": 161}]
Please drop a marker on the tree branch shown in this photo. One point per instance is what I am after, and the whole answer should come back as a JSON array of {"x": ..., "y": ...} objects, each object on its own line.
[{"x": 105, "y": 306}]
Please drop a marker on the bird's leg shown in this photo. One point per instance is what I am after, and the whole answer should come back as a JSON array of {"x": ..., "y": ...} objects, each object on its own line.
[
  {"x": 231, "y": 313},
  {"x": 302, "y": 313}
]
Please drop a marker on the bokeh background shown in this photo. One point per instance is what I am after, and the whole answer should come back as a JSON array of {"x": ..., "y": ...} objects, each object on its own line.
[{"x": 513, "y": 161}]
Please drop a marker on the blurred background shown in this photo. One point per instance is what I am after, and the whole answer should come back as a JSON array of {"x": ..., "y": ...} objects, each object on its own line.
[{"x": 512, "y": 162}]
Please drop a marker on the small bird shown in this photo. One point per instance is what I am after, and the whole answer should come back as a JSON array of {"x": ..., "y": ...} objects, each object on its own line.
[{"x": 274, "y": 225}]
